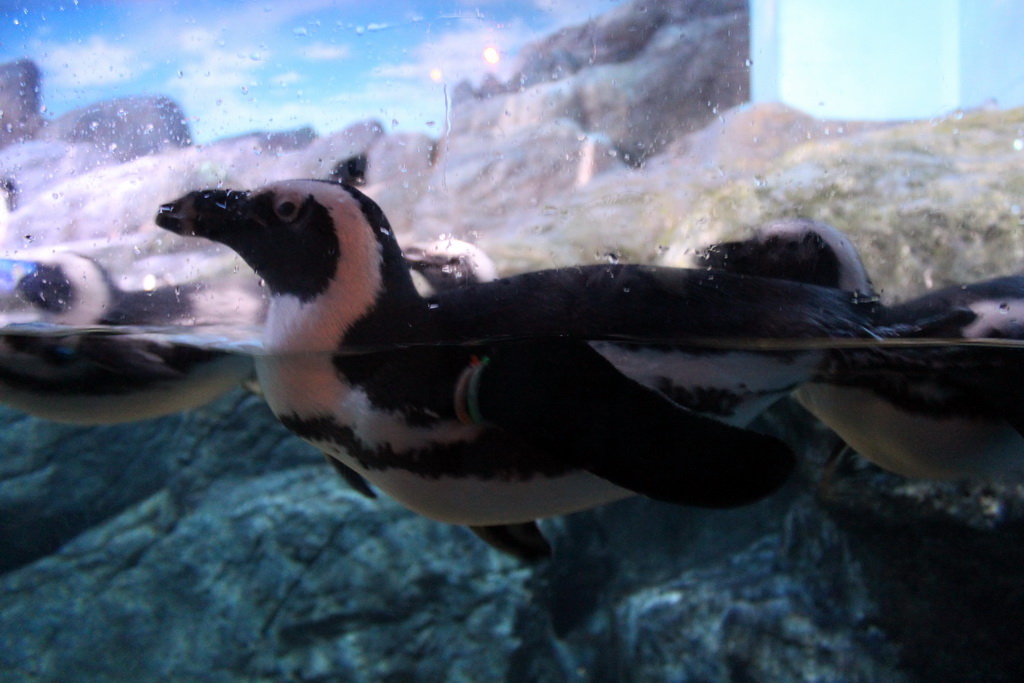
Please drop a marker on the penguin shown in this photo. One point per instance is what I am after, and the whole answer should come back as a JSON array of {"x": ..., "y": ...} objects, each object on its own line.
[
  {"x": 739, "y": 385},
  {"x": 351, "y": 170},
  {"x": 95, "y": 378},
  {"x": 944, "y": 412},
  {"x": 797, "y": 249},
  {"x": 447, "y": 263},
  {"x": 487, "y": 404}
]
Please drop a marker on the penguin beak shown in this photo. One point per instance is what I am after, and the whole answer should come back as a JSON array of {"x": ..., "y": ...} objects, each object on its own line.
[
  {"x": 212, "y": 214},
  {"x": 11, "y": 273}
]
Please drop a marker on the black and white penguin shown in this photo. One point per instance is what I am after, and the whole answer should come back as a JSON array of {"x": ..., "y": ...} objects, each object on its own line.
[
  {"x": 948, "y": 411},
  {"x": 797, "y": 249},
  {"x": 109, "y": 378},
  {"x": 447, "y": 263},
  {"x": 736, "y": 385},
  {"x": 360, "y": 364}
]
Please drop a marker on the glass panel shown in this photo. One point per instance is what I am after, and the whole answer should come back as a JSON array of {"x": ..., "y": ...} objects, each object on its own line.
[{"x": 711, "y": 247}]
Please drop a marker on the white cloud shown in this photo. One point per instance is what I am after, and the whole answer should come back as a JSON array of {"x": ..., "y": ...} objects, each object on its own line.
[
  {"x": 323, "y": 52},
  {"x": 283, "y": 80},
  {"x": 195, "y": 40},
  {"x": 96, "y": 62}
]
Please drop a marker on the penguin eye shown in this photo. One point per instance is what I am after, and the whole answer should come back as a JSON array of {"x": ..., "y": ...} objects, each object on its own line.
[{"x": 287, "y": 210}]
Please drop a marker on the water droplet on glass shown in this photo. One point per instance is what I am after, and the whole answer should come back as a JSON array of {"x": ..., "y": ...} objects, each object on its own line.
[
  {"x": 1004, "y": 307},
  {"x": 245, "y": 90},
  {"x": 1018, "y": 144}
]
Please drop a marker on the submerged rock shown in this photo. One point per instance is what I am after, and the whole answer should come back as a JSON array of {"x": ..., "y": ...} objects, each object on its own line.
[
  {"x": 229, "y": 550},
  {"x": 791, "y": 607}
]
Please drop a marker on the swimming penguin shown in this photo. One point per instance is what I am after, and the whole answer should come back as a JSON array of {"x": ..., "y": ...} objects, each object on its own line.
[
  {"x": 109, "y": 378},
  {"x": 446, "y": 263},
  {"x": 939, "y": 412},
  {"x": 485, "y": 405},
  {"x": 737, "y": 385},
  {"x": 797, "y": 249}
]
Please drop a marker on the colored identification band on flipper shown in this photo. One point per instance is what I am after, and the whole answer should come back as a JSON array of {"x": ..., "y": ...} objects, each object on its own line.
[{"x": 467, "y": 392}]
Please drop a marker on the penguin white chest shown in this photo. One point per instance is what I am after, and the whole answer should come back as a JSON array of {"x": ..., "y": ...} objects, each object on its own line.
[
  {"x": 913, "y": 444},
  {"x": 309, "y": 397}
]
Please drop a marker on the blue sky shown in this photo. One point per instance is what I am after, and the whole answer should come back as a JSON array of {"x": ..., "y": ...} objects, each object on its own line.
[{"x": 274, "y": 65}]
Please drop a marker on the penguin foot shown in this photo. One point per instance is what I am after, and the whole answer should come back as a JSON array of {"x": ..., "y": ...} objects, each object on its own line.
[{"x": 524, "y": 541}]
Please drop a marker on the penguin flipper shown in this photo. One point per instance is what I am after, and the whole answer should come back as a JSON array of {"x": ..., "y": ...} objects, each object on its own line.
[
  {"x": 351, "y": 477},
  {"x": 524, "y": 540},
  {"x": 567, "y": 399}
]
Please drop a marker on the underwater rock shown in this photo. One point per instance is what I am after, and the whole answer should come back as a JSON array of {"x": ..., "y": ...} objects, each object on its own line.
[
  {"x": 944, "y": 563},
  {"x": 283, "y": 575},
  {"x": 215, "y": 546},
  {"x": 20, "y": 103},
  {"x": 128, "y": 127},
  {"x": 58, "y": 480},
  {"x": 792, "y": 606}
]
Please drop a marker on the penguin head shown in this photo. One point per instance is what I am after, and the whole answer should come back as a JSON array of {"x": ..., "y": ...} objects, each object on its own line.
[
  {"x": 63, "y": 288},
  {"x": 797, "y": 249},
  {"x": 325, "y": 251},
  {"x": 448, "y": 263},
  {"x": 298, "y": 235}
]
